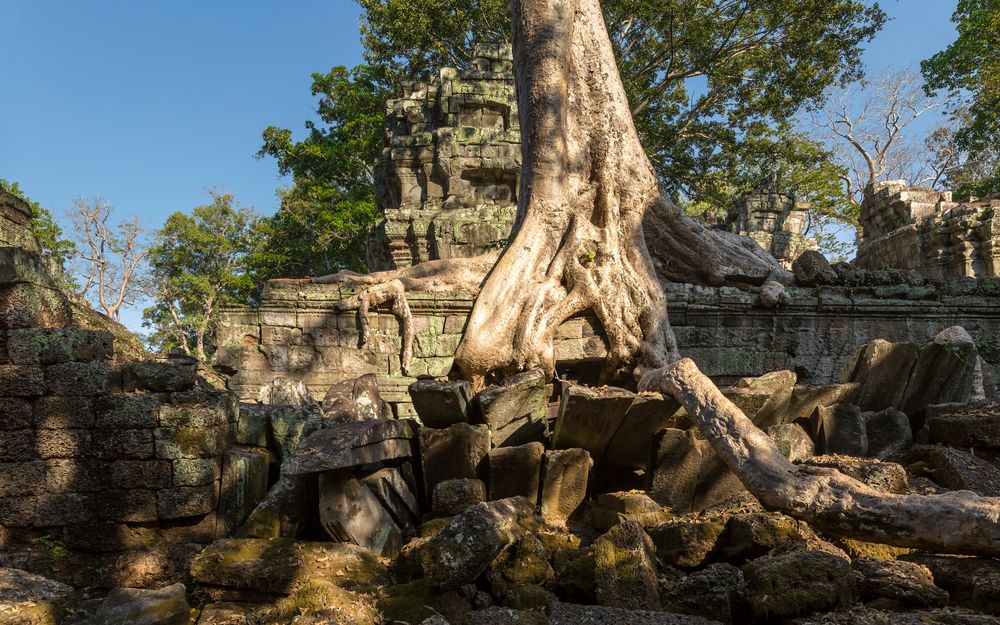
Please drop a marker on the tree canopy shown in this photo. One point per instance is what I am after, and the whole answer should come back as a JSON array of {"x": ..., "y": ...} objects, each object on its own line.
[
  {"x": 711, "y": 86},
  {"x": 46, "y": 230}
]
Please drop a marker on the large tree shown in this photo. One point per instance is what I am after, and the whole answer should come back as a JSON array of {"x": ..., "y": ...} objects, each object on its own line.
[
  {"x": 710, "y": 85},
  {"x": 595, "y": 234},
  {"x": 969, "y": 70}
]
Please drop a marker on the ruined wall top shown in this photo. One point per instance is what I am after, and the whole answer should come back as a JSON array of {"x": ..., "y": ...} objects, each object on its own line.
[{"x": 447, "y": 181}]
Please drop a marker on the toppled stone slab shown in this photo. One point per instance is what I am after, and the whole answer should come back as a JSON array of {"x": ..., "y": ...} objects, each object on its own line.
[
  {"x": 516, "y": 471},
  {"x": 839, "y": 429},
  {"x": 356, "y": 400},
  {"x": 882, "y": 369},
  {"x": 350, "y": 512},
  {"x": 675, "y": 468},
  {"x": 719, "y": 592},
  {"x": 29, "y": 599},
  {"x": 798, "y": 582},
  {"x": 648, "y": 414},
  {"x": 283, "y": 565},
  {"x": 394, "y": 488},
  {"x": 947, "y": 370},
  {"x": 245, "y": 472},
  {"x": 625, "y": 568},
  {"x": 970, "y": 582},
  {"x": 889, "y": 433},
  {"x": 281, "y": 513},
  {"x": 352, "y": 444},
  {"x": 285, "y": 392},
  {"x": 565, "y": 474},
  {"x": 571, "y": 614},
  {"x": 457, "y": 451},
  {"x": 589, "y": 418},
  {"x": 806, "y": 399},
  {"x": 766, "y": 397},
  {"x": 811, "y": 268},
  {"x": 465, "y": 547},
  {"x": 322, "y": 602},
  {"x": 452, "y": 497},
  {"x": 135, "y": 606},
  {"x": 524, "y": 564},
  {"x": 514, "y": 410},
  {"x": 440, "y": 404},
  {"x": 976, "y": 427},
  {"x": 793, "y": 441},
  {"x": 954, "y": 469},
  {"x": 897, "y": 584},
  {"x": 609, "y": 509}
]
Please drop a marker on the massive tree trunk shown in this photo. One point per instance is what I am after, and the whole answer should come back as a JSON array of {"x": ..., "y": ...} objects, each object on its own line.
[{"x": 958, "y": 522}]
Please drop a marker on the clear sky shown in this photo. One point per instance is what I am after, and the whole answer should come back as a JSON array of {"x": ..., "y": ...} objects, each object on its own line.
[{"x": 149, "y": 103}]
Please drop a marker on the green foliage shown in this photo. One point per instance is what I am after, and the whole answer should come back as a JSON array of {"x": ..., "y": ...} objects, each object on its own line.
[
  {"x": 199, "y": 262},
  {"x": 53, "y": 547},
  {"x": 710, "y": 84},
  {"x": 47, "y": 231},
  {"x": 969, "y": 69}
]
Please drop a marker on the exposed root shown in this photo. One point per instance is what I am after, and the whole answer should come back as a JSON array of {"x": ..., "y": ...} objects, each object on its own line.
[
  {"x": 959, "y": 522},
  {"x": 394, "y": 293}
]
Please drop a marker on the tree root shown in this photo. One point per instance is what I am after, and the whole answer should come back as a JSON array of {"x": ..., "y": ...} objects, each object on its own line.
[{"x": 959, "y": 522}]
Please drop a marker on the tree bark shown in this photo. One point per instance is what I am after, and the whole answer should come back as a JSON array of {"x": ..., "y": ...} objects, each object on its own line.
[{"x": 959, "y": 522}]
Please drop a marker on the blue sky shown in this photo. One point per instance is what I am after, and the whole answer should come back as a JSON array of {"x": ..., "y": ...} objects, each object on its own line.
[{"x": 150, "y": 103}]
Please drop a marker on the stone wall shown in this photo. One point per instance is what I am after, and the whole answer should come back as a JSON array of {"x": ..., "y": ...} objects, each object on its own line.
[
  {"x": 447, "y": 181},
  {"x": 298, "y": 334},
  {"x": 923, "y": 229}
]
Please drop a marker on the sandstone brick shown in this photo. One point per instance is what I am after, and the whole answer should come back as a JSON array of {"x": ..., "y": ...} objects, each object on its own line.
[
  {"x": 15, "y": 413},
  {"x": 202, "y": 416},
  {"x": 22, "y": 381},
  {"x": 75, "y": 475},
  {"x": 58, "y": 413},
  {"x": 62, "y": 443},
  {"x": 123, "y": 444},
  {"x": 103, "y": 536},
  {"x": 140, "y": 474},
  {"x": 21, "y": 478},
  {"x": 55, "y": 509},
  {"x": 18, "y": 446},
  {"x": 196, "y": 471},
  {"x": 174, "y": 443},
  {"x": 128, "y": 506},
  {"x": 127, "y": 410},
  {"x": 18, "y": 511},
  {"x": 187, "y": 501},
  {"x": 57, "y": 345},
  {"x": 77, "y": 378}
]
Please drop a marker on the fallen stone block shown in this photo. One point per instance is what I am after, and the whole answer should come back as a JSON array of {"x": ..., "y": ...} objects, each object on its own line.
[
  {"x": 686, "y": 542},
  {"x": 350, "y": 512},
  {"x": 887, "y": 477},
  {"x": 974, "y": 427},
  {"x": 457, "y": 451},
  {"x": 947, "y": 370},
  {"x": 285, "y": 392},
  {"x": 806, "y": 399},
  {"x": 572, "y": 614},
  {"x": 798, "y": 582},
  {"x": 394, "y": 487},
  {"x": 954, "y": 469},
  {"x": 811, "y": 268},
  {"x": 356, "y": 400},
  {"x": 28, "y": 599},
  {"x": 465, "y": 547},
  {"x": 322, "y": 602},
  {"x": 632, "y": 443},
  {"x": 451, "y": 497},
  {"x": 625, "y": 568},
  {"x": 441, "y": 404},
  {"x": 882, "y": 369},
  {"x": 283, "y": 510},
  {"x": 589, "y": 418},
  {"x": 897, "y": 584},
  {"x": 245, "y": 473},
  {"x": 675, "y": 468},
  {"x": 352, "y": 444},
  {"x": 515, "y": 471},
  {"x": 776, "y": 386},
  {"x": 889, "y": 432},
  {"x": 135, "y": 606},
  {"x": 718, "y": 592},
  {"x": 793, "y": 441},
  {"x": 839, "y": 429},
  {"x": 565, "y": 474},
  {"x": 515, "y": 409},
  {"x": 609, "y": 509},
  {"x": 283, "y": 565}
]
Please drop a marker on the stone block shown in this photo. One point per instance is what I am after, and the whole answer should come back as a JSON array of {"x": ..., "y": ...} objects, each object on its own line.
[
  {"x": 127, "y": 411},
  {"x": 454, "y": 452},
  {"x": 22, "y": 380},
  {"x": 675, "y": 469},
  {"x": 840, "y": 429},
  {"x": 151, "y": 474},
  {"x": 514, "y": 410},
  {"x": 245, "y": 473},
  {"x": 76, "y": 475},
  {"x": 805, "y": 399},
  {"x": 123, "y": 444},
  {"x": 452, "y": 497},
  {"x": 15, "y": 413},
  {"x": 28, "y": 599},
  {"x": 440, "y": 404},
  {"x": 882, "y": 369},
  {"x": 633, "y": 442},
  {"x": 63, "y": 412},
  {"x": 19, "y": 511},
  {"x": 565, "y": 474},
  {"x": 18, "y": 446},
  {"x": 945, "y": 372},
  {"x": 954, "y": 469},
  {"x": 63, "y": 443},
  {"x": 158, "y": 376},
  {"x": 589, "y": 418},
  {"x": 253, "y": 425},
  {"x": 135, "y": 505},
  {"x": 196, "y": 471},
  {"x": 187, "y": 501},
  {"x": 630, "y": 581},
  {"x": 33, "y": 306},
  {"x": 21, "y": 478},
  {"x": 792, "y": 440},
  {"x": 352, "y": 444},
  {"x": 165, "y": 606},
  {"x": 185, "y": 442},
  {"x": 77, "y": 378},
  {"x": 356, "y": 400},
  {"x": 350, "y": 512},
  {"x": 516, "y": 471},
  {"x": 395, "y": 490},
  {"x": 889, "y": 432},
  {"x": 46, "y": 346}
]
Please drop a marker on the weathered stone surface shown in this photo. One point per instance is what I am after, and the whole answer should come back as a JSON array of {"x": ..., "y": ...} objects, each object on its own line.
[
  {"x": 839, "y": 429},
  {"x": 323, "y": 602},
  {"x": 777, "y": 386},
  {"x": 515, "y": 471},
  {"x": 15, "y": 414},
  {"x": 457, "y": 451},
  {"x": 395, "y": 490},
  {"x": 285, "y": 392},
  {"x": 718, "y": 592},
  {"x": 806, "y": 398},
  {"x": 283, "y": 565},
  {"x": 648, "y": 414},
  {"x": 976, "y": 427},
  {"x": 811, "y": 268},
  {"x": 350, "y": 512},
  {"x": 127, "y": 410},
  {"x": 895, "y": 584},
  {"x": 870, "y": 616},
  {"x": 793, "y": 441},
  {"x": 954, "y": 469},
  {"x": 226, "y": 613},
  {"x": 440, "y": 404},
  {"x": 55, "y": 345},
  {"x": 253, "y": 425},
  {"x": 883, "y": 370},
  {"x": 889, "y": 433},
  {"x": 514, "y": 410},
  {"x": 565, "y": 474},
  {"x": 352, "y": 444},
  {"x": 466, "y": 546},
  {"x": 610, "y": 509},
  {"x": 135, "y": 606},
  {"x": 27, "y": 305},
  {"x": 497, "y": 615},
  {"x": 160, "y": 376},
  {"x": 798, "y": 582},
  {"x": 887, "y": 477},
  {"x": 674, "y": 472},
  {"x": 244, "y": 485},
  {"x": 282, "y": 511},
  {"x": 187, "y": 501},
  {"x": 571, "y": 614},
  {"x": 524, "y": 564},
  {"x": 451, "y": 497},
  {"x": 972, "y": 583},
  {"x": 946, "y": 371},
  {"x": 754, "y": 534},
  {"x": 286, "y": 425},
  {"x": 356, "y": 400},
  {"x": 625, "y": 570},
  {"x": 28, "y": 599},
  {"x": 22, "y": 380},
  {"x": 589, "y": 418}
]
